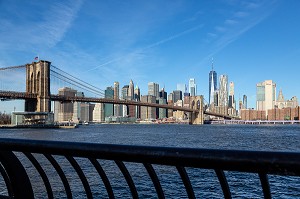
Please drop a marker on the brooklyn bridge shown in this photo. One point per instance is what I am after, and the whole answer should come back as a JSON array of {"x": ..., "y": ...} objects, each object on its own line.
[{"x": 38, "y": 97}]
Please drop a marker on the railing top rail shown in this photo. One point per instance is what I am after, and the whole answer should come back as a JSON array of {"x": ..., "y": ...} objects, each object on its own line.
[{"x": 281, "y": 163}]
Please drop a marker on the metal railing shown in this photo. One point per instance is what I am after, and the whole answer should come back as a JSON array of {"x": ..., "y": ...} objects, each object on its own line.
[{"x": 18, "y": 180}]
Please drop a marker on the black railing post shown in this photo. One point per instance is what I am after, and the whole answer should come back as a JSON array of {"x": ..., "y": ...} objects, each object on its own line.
[{"x": 20, "y": 183}]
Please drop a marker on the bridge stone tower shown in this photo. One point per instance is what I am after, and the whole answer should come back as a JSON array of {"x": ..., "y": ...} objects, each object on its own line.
[
  {"x": 38, "y": 82},
  {"x": 196, "y": 103}
]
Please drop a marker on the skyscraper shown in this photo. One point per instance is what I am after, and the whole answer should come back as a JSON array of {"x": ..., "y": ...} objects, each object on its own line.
[
  {"x": 109, "y": 108},
  {"x": 116, "y": 90},
  {"x": 245, "y": 101},
  {"x": 137, "y": 97},
  {"x": 212, "y": 84},
  {"x": 265, "y": 95},
  {"x": 177, "y": 95},
  {"x": 124, "y": 96},
  {"x": 181, "y": 87},
  {"x": 98, "y": 112},
  {"x": 153, "y": 89},
  {"x": 163, "y": 94},
  {"x": 223, "y": 91},
  {"x": 137, "y": 93},
  {"x": 64, "y": 111},
  {"x": 192, "y": 87},
  {"x": 231, "y": 103},
  {"x": 125, "y": 90},
  {"x": 162, "y": 100},
  {"x": 131, "y": 90},
  {"x": 116, "y": 97},
  {"x": 148, "y": 113},
  {"x": 77, "y": 109}
]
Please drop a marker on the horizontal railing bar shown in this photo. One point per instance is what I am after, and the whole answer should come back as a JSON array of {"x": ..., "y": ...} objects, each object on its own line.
[{"x": 281, "y": 163}]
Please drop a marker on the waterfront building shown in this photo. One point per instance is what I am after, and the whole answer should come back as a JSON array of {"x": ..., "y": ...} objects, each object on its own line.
[
  {"x": 192, "y": 87},
  {"x": 245, "y": 106},
  {"x": 282, "y": 114},
  {"x": 162, "y": 111},
  {"x": 98, "y": 112},
  {"x": 77, "y": 109},
  {"x": 282, "y": 103},
  {"x": 177, "y": 95},
  {"x": 117, "y": 109},
  {"x": 179, "y": 115},
  {"x": 223, "y": 91},
  {"x": 85, "y": 112},
  {"x": 64, "y": 111},
  {"x": 212, "y": 84},
  {"x": 153, "y": 89},
  {"x": 109, "y": 108},
  {"x": 265, "y": 95},
  {"x": 148, "y": 113}
]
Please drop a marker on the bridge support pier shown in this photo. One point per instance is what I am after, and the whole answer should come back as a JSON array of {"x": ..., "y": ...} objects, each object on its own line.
[
  {"x": 38, "y": 82},
  {"x": 196, "y": 103}
]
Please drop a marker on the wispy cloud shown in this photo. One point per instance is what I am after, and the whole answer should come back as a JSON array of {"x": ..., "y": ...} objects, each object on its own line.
[
  {"x": 153, "y": 45},
  {"x": 43, "y": 31},
  {"x": 247, "y": 17},
  {"x": 59, "y": 20}
]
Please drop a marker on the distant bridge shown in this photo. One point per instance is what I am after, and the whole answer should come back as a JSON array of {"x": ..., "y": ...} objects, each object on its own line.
[{"x": 37, "y": 96}]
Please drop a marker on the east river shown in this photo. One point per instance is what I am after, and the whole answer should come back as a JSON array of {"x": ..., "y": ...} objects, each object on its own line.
[{"x": 205, "y": 184}]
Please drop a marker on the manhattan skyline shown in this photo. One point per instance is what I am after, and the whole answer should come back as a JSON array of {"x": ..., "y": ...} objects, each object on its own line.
[{"x": 164, "y": 42}]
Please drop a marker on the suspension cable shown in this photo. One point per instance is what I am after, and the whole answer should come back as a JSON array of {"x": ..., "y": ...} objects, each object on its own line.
[
  {"x": 75, "y": 83},
  {"x": 78, "y": 79}
]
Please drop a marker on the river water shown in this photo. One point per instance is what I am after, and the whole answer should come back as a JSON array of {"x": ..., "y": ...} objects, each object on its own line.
[{"x": 205, "y": 184}]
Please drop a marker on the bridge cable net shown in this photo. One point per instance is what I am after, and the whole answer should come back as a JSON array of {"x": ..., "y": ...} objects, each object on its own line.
[
  {"x": 13, "y": 78},
  {"x": 61, "y": 79}
]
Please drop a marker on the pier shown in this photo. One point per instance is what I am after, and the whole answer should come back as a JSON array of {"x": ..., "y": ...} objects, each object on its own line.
[{"x": 255, "y": 122}]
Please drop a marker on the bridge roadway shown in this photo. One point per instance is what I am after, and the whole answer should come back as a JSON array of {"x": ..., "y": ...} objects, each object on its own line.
[{"x": 8, "y": 95}]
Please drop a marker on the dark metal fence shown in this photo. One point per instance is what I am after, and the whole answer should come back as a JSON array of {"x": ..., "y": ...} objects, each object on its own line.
[{"x": 19, "y": 185}]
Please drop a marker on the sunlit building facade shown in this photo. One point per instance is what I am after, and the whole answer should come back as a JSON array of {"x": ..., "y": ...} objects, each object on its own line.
[
  {"x": 153, "y": 89},
  {"x": 223, "y": 91},
  {"x": 265, "y": 95}
]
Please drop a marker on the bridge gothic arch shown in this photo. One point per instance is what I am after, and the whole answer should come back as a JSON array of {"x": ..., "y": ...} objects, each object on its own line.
[
  {"x": 196, "y": 103},
  {"x": 38, "y": 82}
]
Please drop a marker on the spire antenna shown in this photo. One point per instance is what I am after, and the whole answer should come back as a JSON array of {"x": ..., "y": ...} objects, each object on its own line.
[{"x": 212, "y": 64}]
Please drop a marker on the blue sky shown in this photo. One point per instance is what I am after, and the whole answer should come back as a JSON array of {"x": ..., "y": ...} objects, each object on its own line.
[{"x": 166, "y": 42}]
